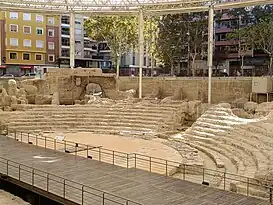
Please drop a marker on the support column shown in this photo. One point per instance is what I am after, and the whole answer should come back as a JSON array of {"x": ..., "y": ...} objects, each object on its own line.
[
  {"x": 141, "y": 50},
  {"x": 210, "y": 50},
  {"x": 72, "y": 40}
]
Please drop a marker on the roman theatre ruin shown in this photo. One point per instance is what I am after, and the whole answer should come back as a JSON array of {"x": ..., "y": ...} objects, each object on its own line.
[{"x": 84, "y": 106}]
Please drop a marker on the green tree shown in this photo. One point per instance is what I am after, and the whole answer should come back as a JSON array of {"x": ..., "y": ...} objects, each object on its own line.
[
  {"x": 120, "y": 33},
  {"x": 171, "y": 40},
  {"x": 258, "y": 33},
  {"x": 182, "y": 36},
  {"x": 150, "y": 38}
]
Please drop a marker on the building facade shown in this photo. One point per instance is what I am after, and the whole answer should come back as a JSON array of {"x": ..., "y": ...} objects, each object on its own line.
[{"x": 28, "y": 40}]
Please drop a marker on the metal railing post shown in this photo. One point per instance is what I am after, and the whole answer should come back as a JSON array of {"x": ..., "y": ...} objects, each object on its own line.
[
  {"x": 166, "y": 167},
  {"x": 203, "y": 174},
  {"x": 247, "y": 188},
  {"x": 103, "y": 198},
  {"x": 7, "y": 167},
  {"x": 270, "y": 195},
  {"x": 82, "y": 193},
  {"x": 64, "y": 190},
  {"x": 150, "y": 164},
  {"x": 45, "y": 142},
  {"x": 32, "y": 183},
  {"x": 127, "y": 160},
  {"x": 113, "y": 157},
  {"x": 76, "y": 150},
  {"x": 64, "y": 145},
  {"x": 99, "y": 153},
  {"x": 224, "y": 180},
  {"x": 184, "y": 171},
  {"x": 135, "y": 161},
  {"x": 47, "y": 182},
  {"x": 19, "y": 174}
]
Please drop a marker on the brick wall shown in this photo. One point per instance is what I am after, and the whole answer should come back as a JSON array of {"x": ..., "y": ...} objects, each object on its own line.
[{"x": 223, "y": 89}]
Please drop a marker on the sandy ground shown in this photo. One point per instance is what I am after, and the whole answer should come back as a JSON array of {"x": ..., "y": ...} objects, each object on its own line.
[
  {"x": 9, "y": 199},
  {"x": 153, "y": 148}
]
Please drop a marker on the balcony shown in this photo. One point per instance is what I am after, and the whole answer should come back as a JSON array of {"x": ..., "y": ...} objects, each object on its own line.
[{"x": 87, "y": 56}]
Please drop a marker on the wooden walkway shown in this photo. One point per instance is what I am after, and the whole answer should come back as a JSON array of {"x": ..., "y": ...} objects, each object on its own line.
[{"x": 140, "y": 186}]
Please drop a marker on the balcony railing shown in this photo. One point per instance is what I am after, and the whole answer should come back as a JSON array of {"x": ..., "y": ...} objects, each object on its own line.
[{"x": 226, "y": 181}]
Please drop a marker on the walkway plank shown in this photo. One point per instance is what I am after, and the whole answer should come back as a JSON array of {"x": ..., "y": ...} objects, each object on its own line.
[{"x": 138, "y": 185}]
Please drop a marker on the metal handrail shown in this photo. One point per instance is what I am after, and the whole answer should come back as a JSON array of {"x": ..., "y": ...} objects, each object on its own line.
[
  {"x": 48, "y": 179},
  {"x": 164, "y": 165}
]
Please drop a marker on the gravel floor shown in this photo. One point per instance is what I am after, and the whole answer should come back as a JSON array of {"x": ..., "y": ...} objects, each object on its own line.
[{"x": 8, "y": 199}]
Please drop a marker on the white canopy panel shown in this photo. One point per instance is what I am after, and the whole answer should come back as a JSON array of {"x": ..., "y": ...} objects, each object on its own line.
[{"x": 124, "y": 6}]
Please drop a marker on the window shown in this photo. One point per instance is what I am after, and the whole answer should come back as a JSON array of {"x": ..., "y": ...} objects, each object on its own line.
[
  {"x": 26, "y": 17},
  {"x": 13, "y": 41},
  {"x": 13, "y": 28},
  {"x": 39, "y": 31},
  {"x": 26, "y": 56},
  {"x": 27, "y": 29},
  {"x": 13, "y": 15},
  {"x": 27, "y": 43},
  {"x": 39, "y": 44},
  {"x": 65, "y": 20},
  {"x": 51, "y": 58},
  {"x": 38, "y": 57},
  {"x": 78, "y": 31},
  {"x": 39, "y": 18},
  {"x": 13, "y": 56},
  {"x": 50, "y": 33},
  {"x": 51, "y": 45},
  {"x": 50, "y": 20}
]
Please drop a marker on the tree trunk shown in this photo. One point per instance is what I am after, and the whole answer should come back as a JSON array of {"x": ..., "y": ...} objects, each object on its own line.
[
  {"x": 152, "y": 66},
  {"x": 270, "y": 65},
  {"x": 117, "y": 66},
  {"x": 172, "y": 69},
  {"x": 192, "y": 66}
]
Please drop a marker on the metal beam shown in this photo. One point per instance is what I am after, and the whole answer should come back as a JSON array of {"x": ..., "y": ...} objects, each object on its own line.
[
  {"x": 141, "y": 49},
  {"x": 72, "y": 40},
  {"x": 210, "y": 49}
]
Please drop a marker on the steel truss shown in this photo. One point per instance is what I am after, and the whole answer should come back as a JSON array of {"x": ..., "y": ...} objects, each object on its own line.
[{"x": 130, "y": 7}]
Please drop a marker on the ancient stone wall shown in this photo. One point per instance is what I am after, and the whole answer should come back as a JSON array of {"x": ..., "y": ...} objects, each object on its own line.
[{"x": 223, "y": 89}]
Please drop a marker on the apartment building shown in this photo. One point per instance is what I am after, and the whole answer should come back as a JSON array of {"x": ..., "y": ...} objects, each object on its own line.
[
  {"x": 27, "y": 40},
  {"x": 87, "y": 53},
  {"x": 235, "y": 56}
]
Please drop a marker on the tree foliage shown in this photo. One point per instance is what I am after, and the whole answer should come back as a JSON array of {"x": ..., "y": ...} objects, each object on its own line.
[
  {"x": 258, "y": 33},
  {"x": 120, "y": 33},
  {"x": 180, "y": 36}
]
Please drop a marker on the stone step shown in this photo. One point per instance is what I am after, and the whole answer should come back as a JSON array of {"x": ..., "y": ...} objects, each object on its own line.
[
  {"x": 82, "y": 124},
  {"x": 212, "y": 154},
  {"x": 88, "y": 119},
  {"x": 107, "y": 105},
  {"x": 229, "y": 149},
  {"x": 150, "y": 108},
  {"x": 228, "y": 118},
  {"x": 209, "y": 130},
  {"x": 211, "y": 125},
  {"x": 218, "y": 122},
  {"x": 97, "y": 130},
  {"x": 85, "y": 113},
  {"x": 244, "y": 132},
  {"x": 257, "y": 154}
]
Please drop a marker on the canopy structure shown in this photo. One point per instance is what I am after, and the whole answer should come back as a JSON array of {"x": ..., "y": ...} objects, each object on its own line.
[
  {"x": 158, "y": 7},
  {"x": 132, "y": 7}
]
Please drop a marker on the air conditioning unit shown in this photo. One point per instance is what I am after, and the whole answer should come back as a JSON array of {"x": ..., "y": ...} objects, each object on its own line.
[{"x": 262, "y": 85}]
